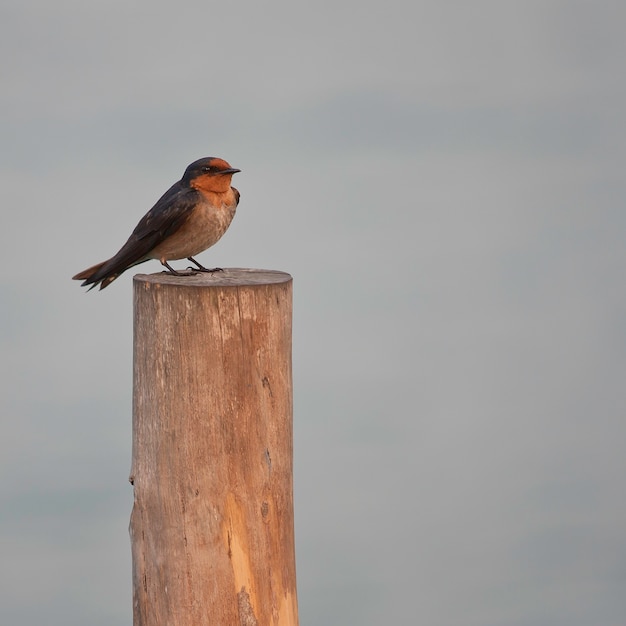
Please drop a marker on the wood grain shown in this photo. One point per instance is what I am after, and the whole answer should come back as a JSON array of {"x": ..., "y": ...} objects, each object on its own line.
[{"x": 212, "y": 523}]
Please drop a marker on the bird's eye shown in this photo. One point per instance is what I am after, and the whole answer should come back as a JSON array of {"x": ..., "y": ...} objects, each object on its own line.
[{"x": 209, "y": 169}]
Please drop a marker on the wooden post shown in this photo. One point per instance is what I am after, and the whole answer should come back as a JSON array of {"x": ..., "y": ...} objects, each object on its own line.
[{"x": 212, "y": 523}]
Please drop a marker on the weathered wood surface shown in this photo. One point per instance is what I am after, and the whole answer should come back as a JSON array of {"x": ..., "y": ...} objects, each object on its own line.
[{"x": 212, "y": 523}]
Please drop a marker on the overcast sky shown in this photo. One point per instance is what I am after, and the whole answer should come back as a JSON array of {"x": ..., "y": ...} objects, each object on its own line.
[{"x": 445, "y": 182}]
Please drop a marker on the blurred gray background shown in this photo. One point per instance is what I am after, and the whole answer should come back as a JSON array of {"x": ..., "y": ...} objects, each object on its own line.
[{"x": 445, "y": 182}]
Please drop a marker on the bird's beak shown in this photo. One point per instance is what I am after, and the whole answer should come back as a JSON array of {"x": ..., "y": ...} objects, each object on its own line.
[{"x": 230, "y": 170}]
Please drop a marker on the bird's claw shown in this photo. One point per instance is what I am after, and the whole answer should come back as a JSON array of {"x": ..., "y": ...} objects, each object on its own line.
[
  {"x": 193, "y": 272},
  {"x": 206, "y": 270}
]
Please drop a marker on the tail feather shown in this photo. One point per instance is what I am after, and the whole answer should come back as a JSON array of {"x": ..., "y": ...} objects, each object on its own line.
[
  {"x": 94, "y": 275},
  {"x": 89, "y": 272},
  {"x": 104, "y": 273}
]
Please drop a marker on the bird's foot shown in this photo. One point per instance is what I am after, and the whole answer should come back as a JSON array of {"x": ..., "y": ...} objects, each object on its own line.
[
  {"x": 190, "y": 271},
  {"x": 198, "y": 270},
  {"x": 173, "y": 272},
  {"x": 201, "y": 268}
]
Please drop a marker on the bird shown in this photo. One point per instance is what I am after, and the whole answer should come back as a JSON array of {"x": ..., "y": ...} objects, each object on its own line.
[{"x": 191, "y": 216}]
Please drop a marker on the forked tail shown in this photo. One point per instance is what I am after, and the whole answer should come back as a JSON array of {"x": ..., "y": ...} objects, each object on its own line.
[{"x": 96, "y": 274}]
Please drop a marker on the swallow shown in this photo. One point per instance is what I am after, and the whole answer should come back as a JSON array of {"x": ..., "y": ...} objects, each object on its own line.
[{"x": 191, "y": 216}]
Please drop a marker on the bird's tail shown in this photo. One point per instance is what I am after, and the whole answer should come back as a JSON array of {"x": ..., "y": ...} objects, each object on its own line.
[{"x": 96, "y": 274}]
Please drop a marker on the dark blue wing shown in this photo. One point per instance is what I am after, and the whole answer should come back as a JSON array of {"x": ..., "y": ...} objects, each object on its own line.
[{"x": 163, "y": 219}]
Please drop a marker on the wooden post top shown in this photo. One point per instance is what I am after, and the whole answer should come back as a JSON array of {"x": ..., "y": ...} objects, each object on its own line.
[{"x": 229, "y": 277}]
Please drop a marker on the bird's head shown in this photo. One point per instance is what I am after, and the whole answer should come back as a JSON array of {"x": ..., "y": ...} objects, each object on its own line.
[{"x": 209, "y": 174}]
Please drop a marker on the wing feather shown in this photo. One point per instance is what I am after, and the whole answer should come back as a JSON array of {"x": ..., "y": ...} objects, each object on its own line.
[{"x": 169, "y": 213}]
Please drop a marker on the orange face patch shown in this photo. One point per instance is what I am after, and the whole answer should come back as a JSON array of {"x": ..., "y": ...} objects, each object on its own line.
[
  {"x": 216, "y": 183},
  {"x": 213, "y": 181}
]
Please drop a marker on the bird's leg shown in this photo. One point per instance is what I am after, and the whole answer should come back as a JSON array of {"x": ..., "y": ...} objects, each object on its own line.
[
  {"x": 170, "y": 268},
  {"x": 201, "y": 268}
]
